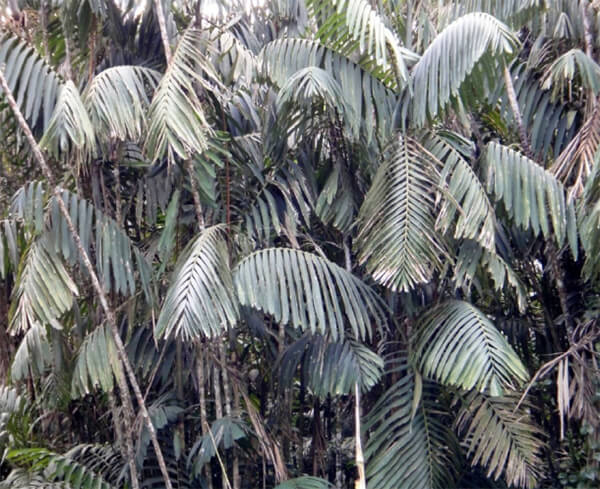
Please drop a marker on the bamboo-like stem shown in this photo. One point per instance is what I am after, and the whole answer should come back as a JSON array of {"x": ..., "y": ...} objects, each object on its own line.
[
  {"x": 92, "y": 48},
  {"x": 110, "y": 315},
  {"x": 514, "y": 105},
  {"x": 361, "y": 482},
  {"x": 44, "y": 26}
]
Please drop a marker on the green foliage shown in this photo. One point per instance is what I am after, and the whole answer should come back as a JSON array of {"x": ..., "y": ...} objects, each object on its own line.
[{"x": 458, "y": 345}]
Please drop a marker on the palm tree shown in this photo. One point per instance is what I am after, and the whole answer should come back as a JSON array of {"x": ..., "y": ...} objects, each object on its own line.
[{"x": 338, "y": 240}]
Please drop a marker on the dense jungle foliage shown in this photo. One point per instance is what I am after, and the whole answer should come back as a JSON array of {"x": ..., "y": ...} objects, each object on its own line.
[{"x": 299, "y": 244}]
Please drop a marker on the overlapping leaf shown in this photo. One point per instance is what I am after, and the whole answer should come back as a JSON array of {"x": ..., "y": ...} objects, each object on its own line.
[
  {"x": 397, "y": 239},
  {"x": 459, "y": 345},
  {"x": 200, "y": 300},
  {"x": 308, "y": 292}
]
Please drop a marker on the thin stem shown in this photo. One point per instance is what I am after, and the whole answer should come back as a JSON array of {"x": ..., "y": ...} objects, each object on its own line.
[{"x": 162, "y": 24}]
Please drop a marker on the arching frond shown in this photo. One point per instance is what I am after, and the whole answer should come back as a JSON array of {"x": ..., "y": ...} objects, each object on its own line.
[
  {"x": 471, "y": 256},
  {"x": 117, "y": 258},
  {"x": 331, "y": 368},
  {"x": 459, "y": 345},
  {"x": 308, "y": 292},
  {"x": 200, "y": 300},
  {"x": 370, "y": 100},
  {"x": 70, "y": 124},
  {"x": 569, "y": 66},
  {"x": 474, "y": 217},
  {"x": 97, "y": 360},
  {"x": 305, "y": 482},
  {"x": 35, "y": 85},
  {"x": 58, "y": 468},
  {"x": 178, "y": 127},
  {"x": 409, "y": 446},
  {"x": 44, "y": 291},
  {"x": 117, "y": 101},
  {"x": 224, "y": 433},
  {"x": 502, "y": 440},
  {"x": 462, "y": 62},
  {"x": 355, "y": 26},
  {"x": 397, "y": 239},
  {"x": 33, "y": 354},
  {"x": 530, "y": 194}
]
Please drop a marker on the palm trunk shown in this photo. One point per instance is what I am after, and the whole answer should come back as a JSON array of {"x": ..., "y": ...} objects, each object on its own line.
[
  {"x": 162, "y": 24},
  {"x": 109, "y": 313},
  {"x": 514, "y": 105},
  {"x": 202, "y": 401}
]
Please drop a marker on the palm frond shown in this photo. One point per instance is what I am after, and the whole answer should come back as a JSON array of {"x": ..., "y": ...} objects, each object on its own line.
[
  {"x": 58, "y": 467},
  {"x": 369, "y": 98},
  {"x": 33, "y": 354},
  {"x": 530, "y": 194},
  {"x": 471, "y": 256},
  {"x": 354, "y": 26},
  {"x": 96, "y": 362},
  {"x": 308, "y": 292},
  {"x": 572, "y": 65},
  {"x": 331, "y": 368},
  {"x": 305, "y": 482},
  {"x": 501, "y": 439},
  {"x": 35, "y": 85},
  {"x": 9, "y": 247},
  {"x": 178, "y": 127},
  {"x": 589, "y": 222},
  {"x": 469, "y": 207},
  {"x": 70, "y": 125},
  {"x": 409, "y": 446},
  {"x": 117, "y": 258},
  {"x": 44, "y": 290},
  {"x": 397, "y": 239},
  {"x": 200, "y": 300},
  {"x": 117, "y": 101},
  {"x": 459, "y": 345},
  {"x": 460, "y": 64}
]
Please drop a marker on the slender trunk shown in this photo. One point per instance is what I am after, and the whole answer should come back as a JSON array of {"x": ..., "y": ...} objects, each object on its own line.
[
  {"x": 237, "y": 479},
  {"x": 117, "y": 176},
  {"x": 162, "y": 24},
  {"x": 44, "y": 25},
  {"x": 514, "y": 105},
  {"x": 218, "y": 405},
  {"x": 361, "y": 482},
  {"x": 109, "y": 313},
  {"x": 202, "y": 401},
  {"x": 68, "y": 65},
  {"x": 92, "y": 48},
  {"x": 189, "y": 168}
]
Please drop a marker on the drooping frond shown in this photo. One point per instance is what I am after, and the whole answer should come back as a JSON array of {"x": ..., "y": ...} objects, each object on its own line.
[
  {"x": 33, "y": 355},
  {"x": 530, "y": 194},
  {"x": 9, "y": 248},
  {"x": 472, "y": 255},
  {"x": 573, "y": 64},
  {"x": 308, "y": 292},
  {"x": 461, "y": 63},
  {"x": 44, "y": 291},
  {"x": 502, "y": 440},
  {"x": 70, "y": 125},
  {"x": 117, "y": 101},
  {"x": 370, "y": 100},
  {"x": 576, "y": 162},
  {"x": 58, "y": 468},
  {"x": 305, "y": 482},
  {"x": 224, "y": 433},
  {"x": 331, "y": 368},
  {"x": 200, "y": 300},
  {"x": 97, "y": 360},
  {"x": 408, "y": 446},
  {"x": 589, "y": 222},
  {"x": 34, "y": 84},
  {"x": 117, "y": 258},
  {"x": 469, "y": 208},
  {"x": 459, "y": 345},
  {"x": 514, "y": 13},
  {"x": 397, "y": 239},
  {"x": 354, "y": 26},
  {"x": 178, "y": 127}
]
